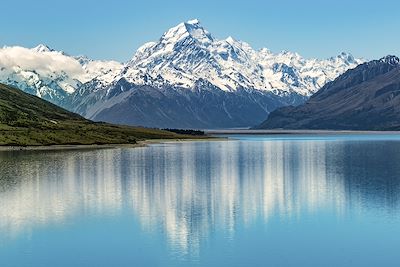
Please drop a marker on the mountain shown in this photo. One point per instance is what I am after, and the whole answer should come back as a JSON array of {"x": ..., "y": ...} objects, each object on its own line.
[
  {"x": 188, "y": 52},
  {"x": 364, "y": 98},
  {"x": 50, "y": 74},
  {"x": 29, "y": 120},
  {"x": 186, "y": 79}
]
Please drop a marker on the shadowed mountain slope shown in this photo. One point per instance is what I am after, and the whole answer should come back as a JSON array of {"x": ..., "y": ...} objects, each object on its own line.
[
  {"x": 364, "y": 98},
  {"x": 28, "y": 120}
]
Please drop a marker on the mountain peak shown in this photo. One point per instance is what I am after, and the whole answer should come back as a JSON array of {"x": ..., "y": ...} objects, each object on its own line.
[
  {"x": 193, "y": 21},
  {"x": 191, "y": 28},
  {"x": 230, "y": 40},
  {"x": 391, "y": 60},
  {"x": 42, "y": 48},
  {"x": 346, "y": 57},
  {"x": 344, "y": 54},
  {"x": 83, "y": 60}
]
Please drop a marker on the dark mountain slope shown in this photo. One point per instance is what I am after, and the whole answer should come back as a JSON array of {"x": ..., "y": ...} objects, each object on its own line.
[
  {"x": 364, "y": 98},
  {"x": 204, "y": 107},
  {"x": 29, "y": 120}
]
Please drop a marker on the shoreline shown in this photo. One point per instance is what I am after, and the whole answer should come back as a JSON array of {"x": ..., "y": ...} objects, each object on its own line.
[
  {"x": 142, "y": 143},
  {"x": 288, "y": 132},
  {"x": 214, "y": 135}
]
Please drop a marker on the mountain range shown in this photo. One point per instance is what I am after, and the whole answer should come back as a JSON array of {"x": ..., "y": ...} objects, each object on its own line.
[
  {"x": 364, "y": 98},
  {"x": 186, "y": 79}
]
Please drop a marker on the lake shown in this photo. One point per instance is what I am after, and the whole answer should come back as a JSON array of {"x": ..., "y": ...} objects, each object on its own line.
[{"x": 253, "y": 200}]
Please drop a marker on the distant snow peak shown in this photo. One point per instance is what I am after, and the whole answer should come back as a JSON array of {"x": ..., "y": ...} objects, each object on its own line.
[
  {"x": 191, "y": 28},
  {"x": 347, "y": 57},
  {"x": 392, "y": 60},
  {"x": 230, "y": 39},
  {"x": 83, "y": 60},
  {"x": 42, "y": 48},
  {"x": 193, "y": 21}
]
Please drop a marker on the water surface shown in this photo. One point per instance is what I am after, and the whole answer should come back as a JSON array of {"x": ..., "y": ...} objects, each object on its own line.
[{"x": 282, "y": 200}]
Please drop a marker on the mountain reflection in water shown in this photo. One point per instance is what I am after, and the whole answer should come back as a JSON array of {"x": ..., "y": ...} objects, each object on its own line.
[{"x": 190, "y": 190}]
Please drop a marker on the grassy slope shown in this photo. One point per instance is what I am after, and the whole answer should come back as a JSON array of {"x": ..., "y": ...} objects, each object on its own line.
[{"x": 29, "y": 120}]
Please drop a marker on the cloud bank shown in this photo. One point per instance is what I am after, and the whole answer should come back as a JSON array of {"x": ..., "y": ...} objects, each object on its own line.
[{"x": 45, "y": 63}]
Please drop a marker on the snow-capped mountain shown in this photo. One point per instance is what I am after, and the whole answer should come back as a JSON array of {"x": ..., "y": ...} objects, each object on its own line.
[
  {"x": 188, "y": 78},
  {"x": 50, "y": 74},
  {"x": 188, "y": 52}
]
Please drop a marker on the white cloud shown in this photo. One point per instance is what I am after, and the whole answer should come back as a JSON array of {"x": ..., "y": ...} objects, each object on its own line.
[{"x": 43, "y": 63}]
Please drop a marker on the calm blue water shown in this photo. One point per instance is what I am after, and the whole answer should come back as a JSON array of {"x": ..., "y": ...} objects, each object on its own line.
[{"x": 298, "y": 200}]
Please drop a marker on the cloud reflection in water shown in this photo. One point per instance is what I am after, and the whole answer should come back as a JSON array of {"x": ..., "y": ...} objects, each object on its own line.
[{"x": 190, "y": 190}]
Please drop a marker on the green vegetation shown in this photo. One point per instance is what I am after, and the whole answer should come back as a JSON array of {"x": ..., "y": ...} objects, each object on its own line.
[
  {"x": 186, "y": 131},
  {"x": 28, "y": 120}
]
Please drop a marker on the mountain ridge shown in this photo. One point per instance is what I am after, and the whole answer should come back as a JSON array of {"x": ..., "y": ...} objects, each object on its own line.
[{"x": 364, "y": 98}]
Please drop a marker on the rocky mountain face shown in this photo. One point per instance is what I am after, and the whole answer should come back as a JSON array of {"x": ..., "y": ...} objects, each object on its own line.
[
  {"x": 186, "y": 79},
  {"x": 203, "y": 106},
  {"x": 364, "y": 98}
]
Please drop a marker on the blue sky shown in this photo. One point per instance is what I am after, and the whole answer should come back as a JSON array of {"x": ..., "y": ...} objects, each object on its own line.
[{"x": 115, "y": 29}]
